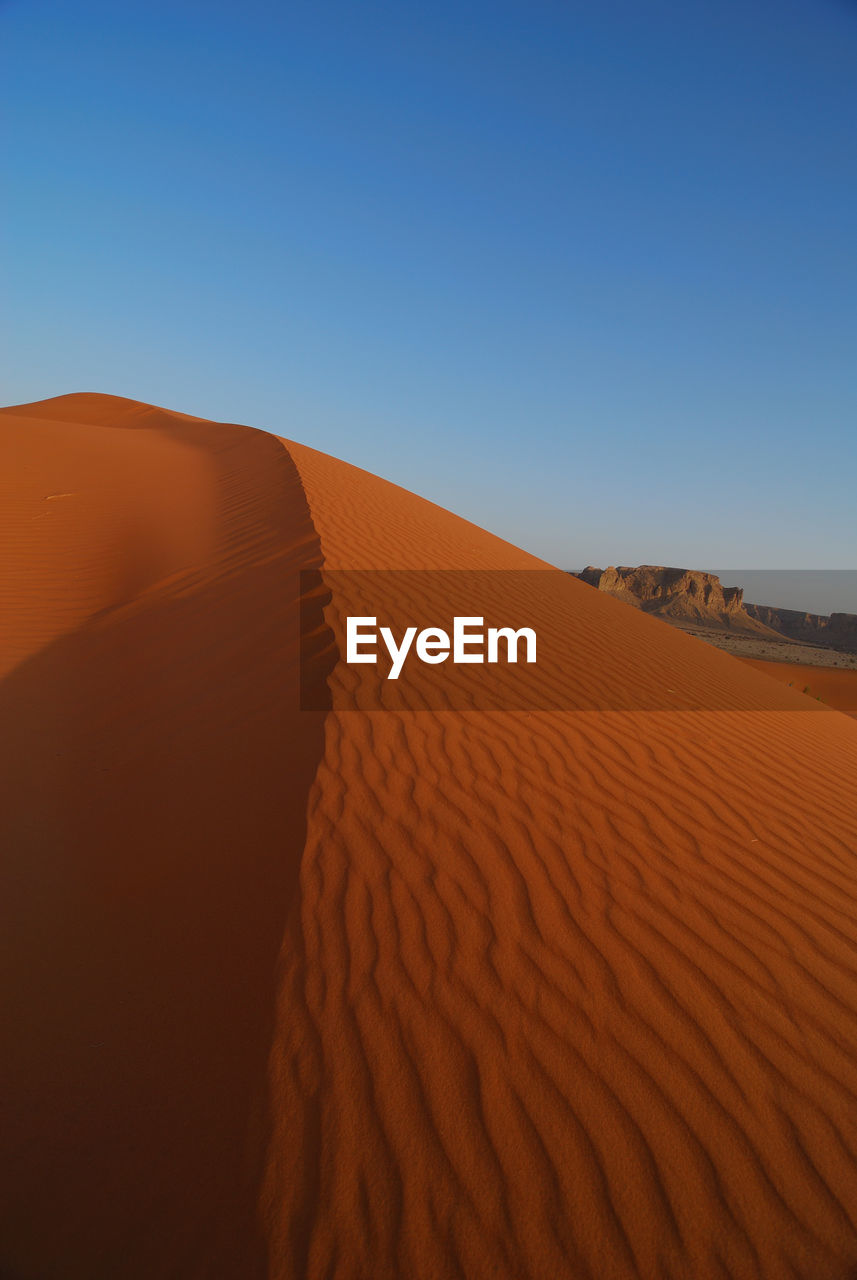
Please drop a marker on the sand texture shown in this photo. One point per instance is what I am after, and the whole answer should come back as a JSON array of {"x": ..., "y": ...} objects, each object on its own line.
[
  {"x": 380, "y": 995},
  {"x": 835, "y": 687}
]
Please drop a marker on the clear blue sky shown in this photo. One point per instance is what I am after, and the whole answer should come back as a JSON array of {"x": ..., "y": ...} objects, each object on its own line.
[{"x": 584, "y": 273}]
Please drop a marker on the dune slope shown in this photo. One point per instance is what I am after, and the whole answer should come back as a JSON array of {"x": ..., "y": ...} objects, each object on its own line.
[
  {"x": 422, "y": 994},
  {"x": 571, "y": 994},
  {"x": 155, "y": 769},
  {"x": 835, "y": 687}
]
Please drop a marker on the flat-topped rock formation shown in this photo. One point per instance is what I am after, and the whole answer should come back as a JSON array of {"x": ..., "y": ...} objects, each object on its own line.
[{"x": 691, "y": 597}]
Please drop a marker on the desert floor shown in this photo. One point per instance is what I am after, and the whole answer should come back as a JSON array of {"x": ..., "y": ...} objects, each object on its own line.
[{"x": 764, "y": 649}]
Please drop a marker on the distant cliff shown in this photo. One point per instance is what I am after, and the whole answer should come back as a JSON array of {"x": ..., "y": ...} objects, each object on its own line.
[
  {"x": 835, "y": 630},
  {"x": 690, "y": 597}
]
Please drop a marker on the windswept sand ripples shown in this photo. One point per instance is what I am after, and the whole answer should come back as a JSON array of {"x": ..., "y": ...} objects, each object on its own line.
[{"x": 568, "y": 994}]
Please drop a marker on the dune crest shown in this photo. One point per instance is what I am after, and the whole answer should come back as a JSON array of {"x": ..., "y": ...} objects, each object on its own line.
[
  {"x": 437, "y": 994},
  {"x": 153, "y": 791}
]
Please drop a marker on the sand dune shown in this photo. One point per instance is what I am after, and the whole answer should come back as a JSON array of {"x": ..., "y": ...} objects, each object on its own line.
[
  {"x": 835, "y": 687},
  {"x": 154, "y": 780},
  {"x": 428, "y": 994}
]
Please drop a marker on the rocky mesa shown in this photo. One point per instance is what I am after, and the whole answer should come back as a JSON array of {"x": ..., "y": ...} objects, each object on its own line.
[{"x": 693, "y": 597}]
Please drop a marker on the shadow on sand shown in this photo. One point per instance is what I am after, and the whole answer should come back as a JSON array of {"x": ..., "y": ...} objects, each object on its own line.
[{"x": 153, "y": 789}]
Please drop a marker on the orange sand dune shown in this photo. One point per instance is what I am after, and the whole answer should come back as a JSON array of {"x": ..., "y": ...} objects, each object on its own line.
[
  {"x": 835, "y": 686},
  {"x": 427, "y": 994}
]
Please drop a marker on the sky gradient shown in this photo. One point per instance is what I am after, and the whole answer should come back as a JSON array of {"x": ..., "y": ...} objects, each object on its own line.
[{"x": 585, "y": 274}]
